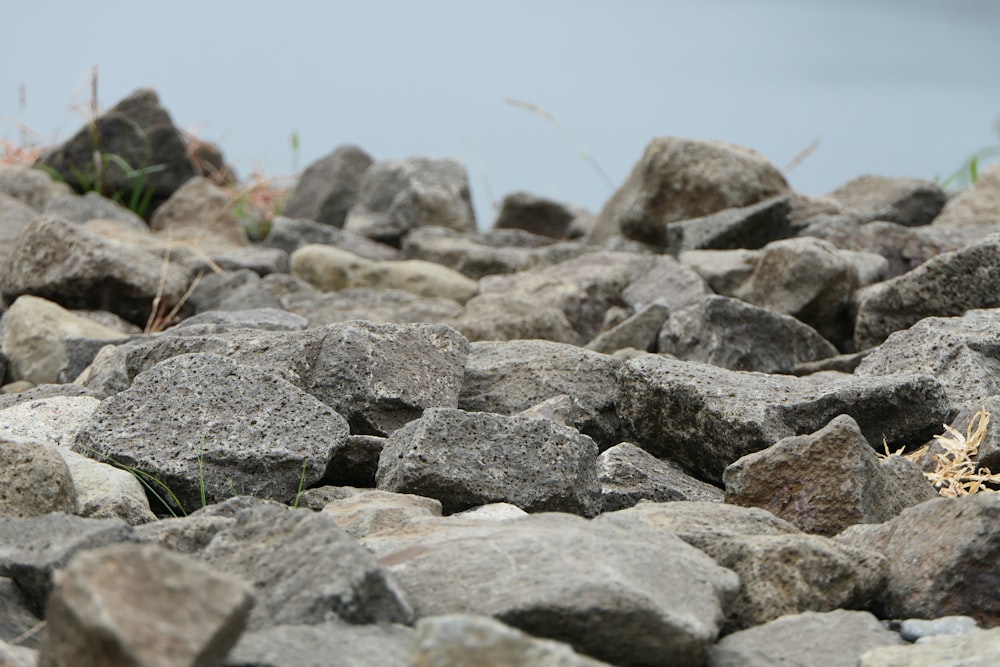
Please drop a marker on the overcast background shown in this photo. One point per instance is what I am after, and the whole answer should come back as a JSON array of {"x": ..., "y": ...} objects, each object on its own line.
[{"x": 892, "y": 87}]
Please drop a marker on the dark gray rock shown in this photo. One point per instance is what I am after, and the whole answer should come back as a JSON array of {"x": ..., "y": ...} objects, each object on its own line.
[
  {"x": 962, "y": 353},
  {"x": 782, "y": 571},
  {"x": 638, "y": 331},
  {"x": 32, "y": 549},
  {"x": 538, "y": 215},
  {"x": 207, "y": 428},
  {"x": 705, "y": 417},
  {"x": 16, "y": 618},
  {"x": 305, "y": 570},
  {"x": 290, "y": 234},
  {"x": 627, "y": 474},
  {"x": 58, "y": 260},
  {"x": 466, "y": 459},
  {"x": 231, "y": 291},
  {"x": 826, "y": 481},
  {"x": 910, "y": 202},
  {"x": 137, "y": 604},
  {"x": 678, "y": 179},
  {"x": 946, "y": 285},
  {"x": 747, "y": 227},
  {"x": 734, "y": 334},
  {"x": 831, "y": 639},
  {"x": 328, "y": 187},
  {"x": 138, "y": 131},
  {"x": 952, "y": 573},
  {"x": 316, "y": 645},
  {"x": 635, "y": 596},
  {"x": 397, "y": 196},
  {"x": 508, "y": 377},
  {"x": 355, "y": 462}
]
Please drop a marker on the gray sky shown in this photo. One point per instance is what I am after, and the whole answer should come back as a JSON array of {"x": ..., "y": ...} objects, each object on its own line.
[{"x": 893, "y": 87}]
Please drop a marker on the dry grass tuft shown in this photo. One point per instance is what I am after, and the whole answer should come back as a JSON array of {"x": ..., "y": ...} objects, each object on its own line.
[{"x": 957, "y": 472}]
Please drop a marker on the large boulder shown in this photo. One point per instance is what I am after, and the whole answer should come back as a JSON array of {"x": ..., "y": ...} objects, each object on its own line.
[
  {"x": 328, "y": 187},
  {"x": 677, "y": 179}
]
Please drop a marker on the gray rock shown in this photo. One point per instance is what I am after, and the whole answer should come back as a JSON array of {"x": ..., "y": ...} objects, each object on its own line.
[
  {"x": 266, "y": 546},
  {"x": 466, "y": 459},
  {"x": 824, "y": 482},
  {"x": 47, "y": 391},
  {"x": 328, "y": 187},
  {"x": 747, "y": 227},
  {"x": 138, "y": 131},
  {"x": 678, "y": 179},
  {"x": 231, "y": 291},
  {"x": 107, "y": 492},
  {"x": 397, "y": 196},
  {"x": 368, "y": 303},
  {"x": 638, "y": 331},
  {"x": 32, "y": 549},
  {"x": 370, "y": 511},
  {"x": 841, "y": 363},
  {"x": 499, "y": 251},
  {"x": 15, "y": 215},
  {"x": 808, "y": 279},
  {"x": 634, "y": 596},
  {"x": 52, "y": 420},
  {"x": 92, "y": 206},
  {"x": 142, "y": 605},
  {"x": 16, "y": 618},
  {"x": 627, "y": 474},
  {"x": 35, "y": 338},
  {"x": 34, "y": 187},
  {"x": 947, "y": 575},
  {"x": 290, "y": 234},
  {"x": 17, "y": 656},
  {"x": 34, "y": 479},
  {"x": 187, "y": 535},
  {"x": 782, "y": 571},
  {"x": 514, "y": 316},
  {"x": 59, "y": 261},
  {"x": 978, "y": 206},
  {"x": 988, "y": 455},
  {"x": 913, "y": 629},
  {"x": 202, "y": 428},
  {"x": 831, "y": 639},
  {"x": 725, "y": 271},
  {"x": 209, "y": 255},
  {"x": 316, "y": 645},
  {"x": 538, "y": 215},
  {"x": 265, "y": 319},
  {"x": 733, "y": 334},
  {"x": 479, "y": 641},
  {"x": 975, "y": 649},
  {"x": 962, "y": 353},
  {"x": 512, "y": 376},
  {"x": 946, "y": 285},
  {"x": 911, "y": 202},
  {"x": 705, "y": 417}
]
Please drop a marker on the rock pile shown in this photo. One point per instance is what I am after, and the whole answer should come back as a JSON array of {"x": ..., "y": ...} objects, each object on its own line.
[{"x": 379, "y": 436}]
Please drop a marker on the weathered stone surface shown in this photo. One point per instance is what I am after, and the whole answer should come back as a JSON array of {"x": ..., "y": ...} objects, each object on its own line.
[
  {"x": 317, "y": 645},
  {"x": 328, "y": 187},
  {"x": 33, "y": 187},
  {"x": 808, "y": 279},
  {"x": 106, "y": 492},
  {"x": 231, "y": 291},
  {"x": 369, "y": 511},
  {"x": 466, "y": 459},
  {"x": 978, "y": 206},
  {"x": 782, "y": 571},
  {"x": 725, "y": 271},
  {"x": 913, "y": 629},
  {"x": 826, "y": 481},
  {"x": 832, "y": 639},
  {"x": 906, "y": 201},
  {"x": 479, "y": 641},
  {"x": 953, "y": 573},
  {"x": 678, "y": 179},
  {"x": 511, "y": 376},
  {"x": 16, "y": 618},
  {"x": 304, "y": 570},
  {"x": 627, "y": 474},
  {"x": 539, "y": 215},
  {"x": 32, "y": 549},
  {"x": 142, "y": 605},
  {"x": 499, "y": 251},
  {"x": 142, "y": 135},
  {"x": 329, "y": 269},
  {"x": 290, "y": 234},
  {"x": 34, "y": 479},
  {"x": 636, "y": 596},
  {"x": 199, "y": 209},
  {"x": 747, "y": 227},
  {"x": 975, "y": 649},
  {"x": 15, "y": 215},
  {"x": 638, "y": 331},
  {"x": 962, "y": 353},
  {"x": 368, "y": 303},
  {"x": 92, "y": 206},
  {"x": 400, "y": 195},
  {"x": 498, "y": 316},
  {"x": 705, "y": 417},
  {"x": 734, "y": 334},
  {"x": 265, "y": 319},
  {"x": 34, "y": 338},
  {"x": 209, "y": 428},
  {"x": 946, "y": 285},
  {"x": 59, "y": 261}
]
